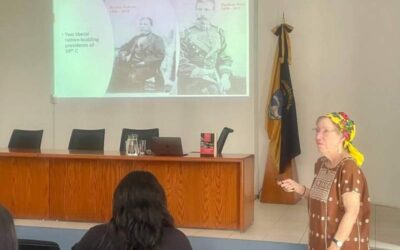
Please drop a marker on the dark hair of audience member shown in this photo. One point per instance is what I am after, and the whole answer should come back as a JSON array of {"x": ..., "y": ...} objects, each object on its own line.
[
  {"x": 8, "y": 239},
  {"x": 140, "y": 211}
]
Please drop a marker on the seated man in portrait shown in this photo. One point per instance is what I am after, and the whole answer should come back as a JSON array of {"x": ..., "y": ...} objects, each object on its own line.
[{"x": 141, "y": 58}]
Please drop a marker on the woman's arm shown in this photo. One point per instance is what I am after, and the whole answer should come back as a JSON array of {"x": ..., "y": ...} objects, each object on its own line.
[
  {"x": 351, "y": 203},
  {"x": 289, "y": 185}
]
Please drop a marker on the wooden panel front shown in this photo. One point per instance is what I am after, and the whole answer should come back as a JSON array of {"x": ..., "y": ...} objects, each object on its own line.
[
  {"x": 247, "y": 201},
  {"x": 199, "y": 195},
  {"x": 24, "y": 186},
  {"x": 205, "y": 195},
  {"x": 82, "y": 189},
  {"x": 201, "y": 192}
]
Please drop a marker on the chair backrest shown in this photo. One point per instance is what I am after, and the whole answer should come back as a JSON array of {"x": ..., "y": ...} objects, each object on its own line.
[
  {"x": 83, "y": 139},
  {"x": 25, "y": 139},
  {"x": 222, "y": 138},
  {"x": 25, "y": 244},
  {"x": 143, "y": 134}
]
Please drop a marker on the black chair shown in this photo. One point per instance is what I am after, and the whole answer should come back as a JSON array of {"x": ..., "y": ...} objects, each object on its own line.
[
  {"x": 143, "y": 134},
  {"x": 25, "y": 244},
  {"x": 25, "y": 139},
  {"x": 222, "y": 138},
  {"x": 91, "y": 140}
]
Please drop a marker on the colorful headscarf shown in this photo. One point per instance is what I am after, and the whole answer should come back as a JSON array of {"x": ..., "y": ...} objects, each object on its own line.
[{"x": 348, "y": 130}]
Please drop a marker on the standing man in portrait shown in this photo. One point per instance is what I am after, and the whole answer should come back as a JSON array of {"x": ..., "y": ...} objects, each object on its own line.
[
  {"x": 142, "y": 57},
  {"x": 204, "y": 68}
]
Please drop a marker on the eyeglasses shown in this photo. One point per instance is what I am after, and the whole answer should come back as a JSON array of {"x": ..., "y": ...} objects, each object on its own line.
[{"x": 323, "y": 131}]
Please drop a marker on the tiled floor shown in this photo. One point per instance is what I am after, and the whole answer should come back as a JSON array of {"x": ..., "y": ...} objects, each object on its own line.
[
  {"x": 272, "y": 222},
  {"x": 282, "y": 223},
  {"x": 289, "y": 223}
]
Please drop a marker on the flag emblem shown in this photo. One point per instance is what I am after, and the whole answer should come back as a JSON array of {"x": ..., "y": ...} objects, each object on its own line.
[{"x": 275, "y": 107}]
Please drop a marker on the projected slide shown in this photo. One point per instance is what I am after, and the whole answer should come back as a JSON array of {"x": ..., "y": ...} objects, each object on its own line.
[{"x": 152, "y": 48}]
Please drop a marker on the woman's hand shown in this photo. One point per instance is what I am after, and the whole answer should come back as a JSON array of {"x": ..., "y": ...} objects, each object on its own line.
[{"x": 289, "y": 185}]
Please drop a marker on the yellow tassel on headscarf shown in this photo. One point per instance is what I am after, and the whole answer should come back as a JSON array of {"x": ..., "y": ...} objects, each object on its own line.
[{"x": 348, "y": 130}]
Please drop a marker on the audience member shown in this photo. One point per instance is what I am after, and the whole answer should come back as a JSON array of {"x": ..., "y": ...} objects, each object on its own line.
[
  {"x": 8, "y": 239},
  {"x": 140, "y": 219}
]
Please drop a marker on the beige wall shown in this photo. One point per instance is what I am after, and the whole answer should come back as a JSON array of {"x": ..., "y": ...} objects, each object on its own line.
[{"x": 345, "y": 57}]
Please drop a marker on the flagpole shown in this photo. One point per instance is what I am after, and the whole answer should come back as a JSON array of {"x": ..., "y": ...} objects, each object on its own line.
[{"x": 281, "y": 125}]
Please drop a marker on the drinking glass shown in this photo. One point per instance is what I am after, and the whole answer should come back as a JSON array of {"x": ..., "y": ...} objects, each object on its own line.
[{"x": 142, "y": 147}]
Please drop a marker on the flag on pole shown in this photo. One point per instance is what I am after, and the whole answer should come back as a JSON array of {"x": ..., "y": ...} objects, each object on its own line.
[{"x": 281, "y": 118}]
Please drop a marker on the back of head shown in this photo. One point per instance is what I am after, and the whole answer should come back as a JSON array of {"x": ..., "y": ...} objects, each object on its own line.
[
  {"x": 8, "y": 240},
  {"x": 140, "y": 211}
]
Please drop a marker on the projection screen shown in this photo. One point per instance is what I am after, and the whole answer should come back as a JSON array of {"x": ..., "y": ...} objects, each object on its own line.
[{"x": 152, "y": 48}]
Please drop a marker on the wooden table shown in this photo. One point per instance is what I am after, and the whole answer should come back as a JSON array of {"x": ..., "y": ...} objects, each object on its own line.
[{"x": 202, "y": 192}]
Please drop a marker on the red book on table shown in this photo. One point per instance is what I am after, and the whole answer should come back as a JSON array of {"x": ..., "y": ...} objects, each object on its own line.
[{"x": 207, "y": 144}]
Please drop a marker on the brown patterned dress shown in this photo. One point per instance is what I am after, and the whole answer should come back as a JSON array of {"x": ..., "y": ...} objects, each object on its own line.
[{"x": 325, "y": 205}]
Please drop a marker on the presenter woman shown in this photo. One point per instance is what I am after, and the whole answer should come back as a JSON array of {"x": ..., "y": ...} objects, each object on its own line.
[
  {"x": 338, "y": 200},
  {"x": 8, "y": 240},
  {"x": 140, "y": 219}
]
